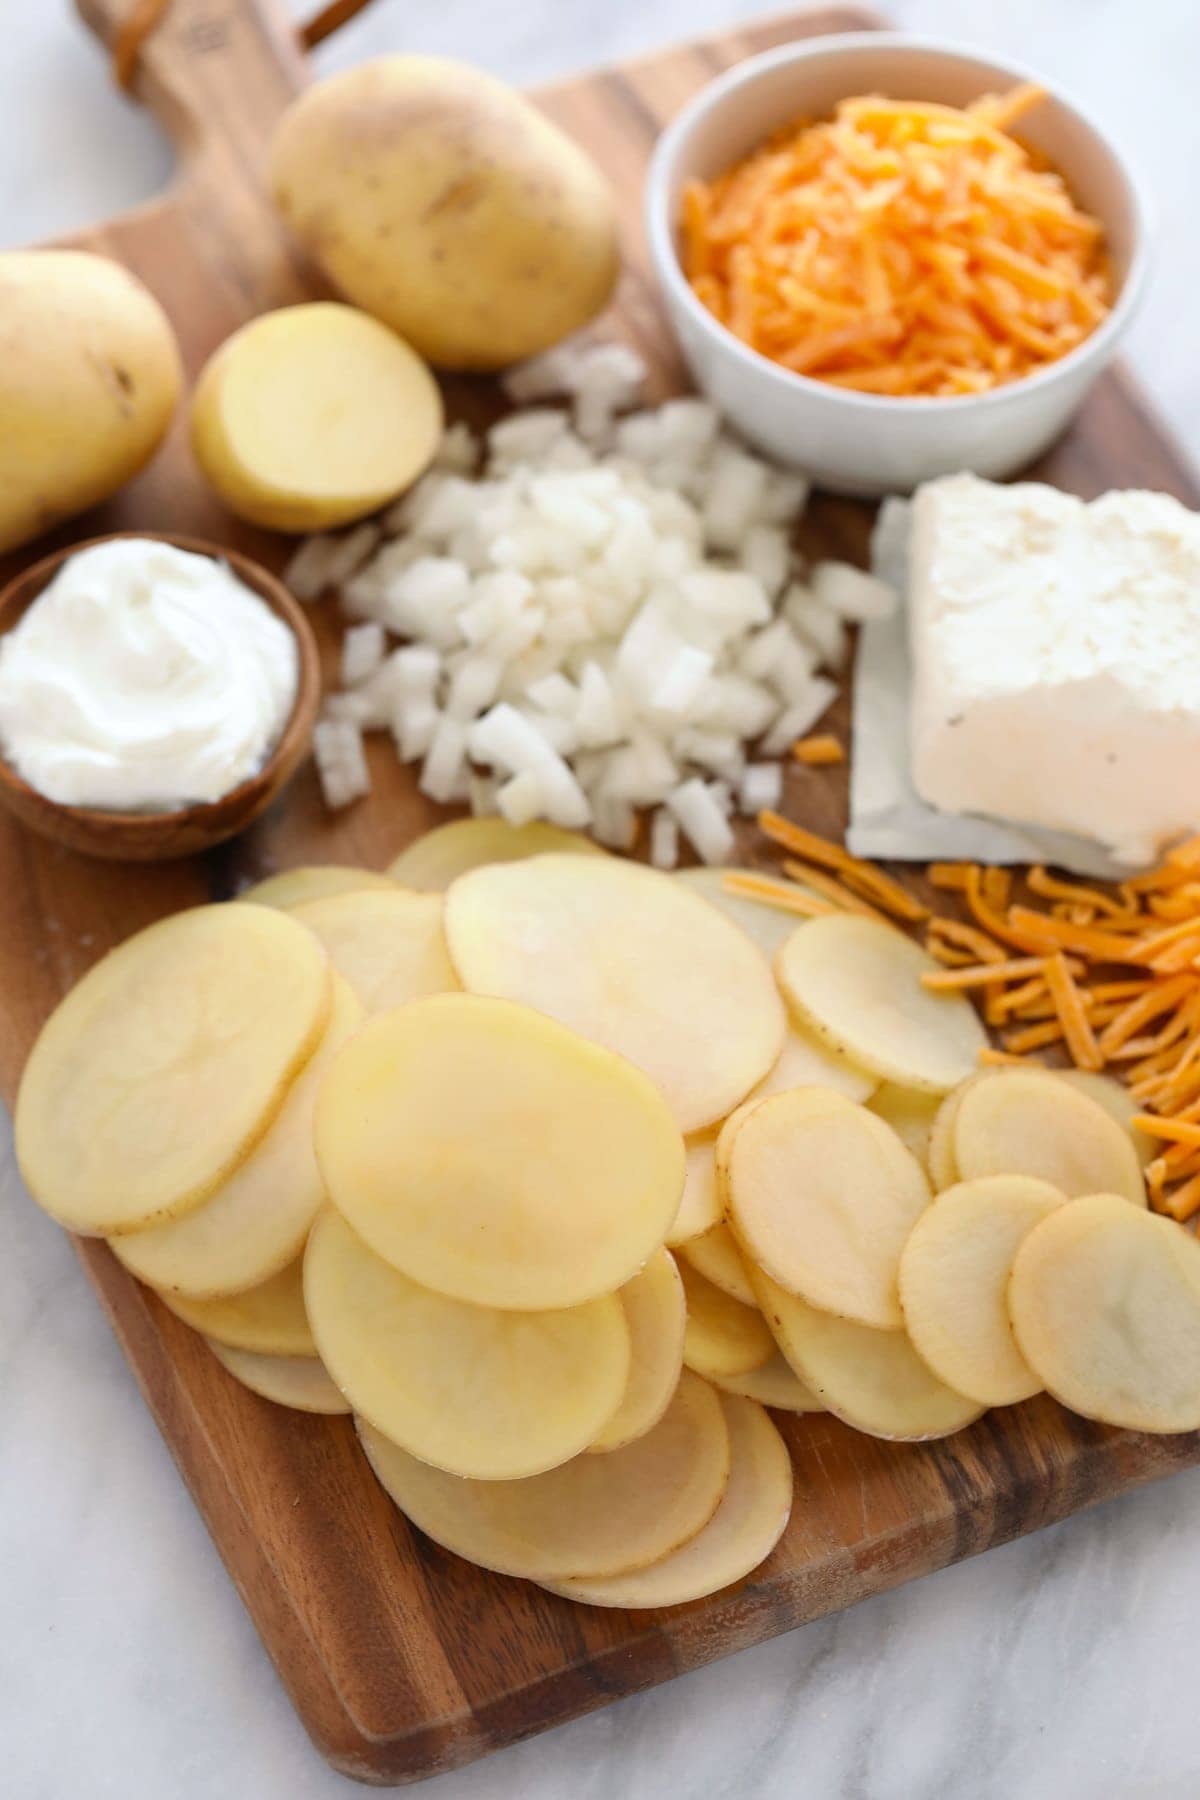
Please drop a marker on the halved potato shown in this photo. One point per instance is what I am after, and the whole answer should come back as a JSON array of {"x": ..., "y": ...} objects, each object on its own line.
[
  {"x": 257, "y": 1221},
  {"x": 656, "y": 1313},
  {"x": 910, "y": 1113},
  {"x": 723, "y": 1337},
  {"x": 301, "y": 1382},
  {"x": 742, "y": 1533},
  {"x": 873, "y": 1380},
  {"x": 163, "y": 1067},
  {"x": 769, "y": 926},
  {"x": 594, "y": 1516},
  {"x": 715, "y": 1255},
  {"x": 440, "y": 856},
  {"x": 1030, "y": 1122},
  {"x": 1117, "y": 1101},
  {"x": 822, "y": 1195},
  {"x": 472, "y": 1390},
  {"x": 295, "y": 887},
  {"x": 857, "y": 983},
  {"x": 493, "y": 1155},
  {"x": 700, "y": 1203},
  {"x": 631, "y": 959},
  {"x": 954, "y": 1283},
  {"x": 775, "y": 1384},
  {"x": 389, "y": 945},
  {"x": 1105, "y": 1304},
  {"x": 269, "y": 1319}
]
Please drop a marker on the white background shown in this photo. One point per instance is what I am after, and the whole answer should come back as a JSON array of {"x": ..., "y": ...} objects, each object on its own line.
[{"x": 1063, "y": 1667}]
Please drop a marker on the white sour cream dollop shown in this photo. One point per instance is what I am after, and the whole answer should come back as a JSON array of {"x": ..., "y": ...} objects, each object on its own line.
[{"x": 144, "y": 679}]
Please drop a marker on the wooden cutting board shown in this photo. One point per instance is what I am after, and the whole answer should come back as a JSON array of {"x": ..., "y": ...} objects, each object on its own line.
[{"x": 402, "y": 1660}]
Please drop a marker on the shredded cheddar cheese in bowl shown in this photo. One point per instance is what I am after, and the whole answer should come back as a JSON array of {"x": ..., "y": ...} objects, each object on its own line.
[{"x": 902, "y": 248}]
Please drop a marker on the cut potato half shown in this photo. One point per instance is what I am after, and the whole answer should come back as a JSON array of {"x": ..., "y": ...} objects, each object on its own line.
[
  {"x": 389, "y": 945},
  {"x": 301, "y": 1382},
  {"x": 440, "y": 856},
  {"x": 493, "y": 1155},
  {"x": 631, "y": 959},
  {"x": 472, "y": 1390},
  {"x": 715, "y": 1255},
  {"x": 857, "y": 983},
  {"x": 700, "y": 1203},
  {"x": 742, "y": 1533},
  {"x": 1031, "y": 1122},
  {"x": 270, "y": 1319},
  {"x": 723, "y": 1337},
  {"x": 910, "y": 1113},
  {"x": 873, "y": 1380},
  {"x": 822, "y": 1195},
  {"x": 656, "y": 1313},
  {"x": 296, "y": 887},
  {"x": 954, "y": 1284},
  {"x": 164, "y": 1066},
  {"x": 257, "y": 1221},
  {"x": 769, "y": 926},
  {"x": 597, "y": 1515},
  {"x": 1118, "y": 1102},
  {"x": 775, "y": 1384},
  {"x": 1105, "y": 1304}
]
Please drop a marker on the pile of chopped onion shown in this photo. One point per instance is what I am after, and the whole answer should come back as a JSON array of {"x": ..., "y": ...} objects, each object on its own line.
[{"x": 608, "y": 617}]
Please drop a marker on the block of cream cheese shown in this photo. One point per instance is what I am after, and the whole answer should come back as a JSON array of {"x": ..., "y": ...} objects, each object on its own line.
[{"x": 1056, "y": 660}]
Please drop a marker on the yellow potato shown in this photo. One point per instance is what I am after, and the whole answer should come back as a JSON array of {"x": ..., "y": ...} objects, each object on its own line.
[
  {"x": 294, "y": 887},
  {"x": 478, "y": 1392},
  {"x": 257, "y": 1221},
  {"x": 387, "y": 944},
  {"x": 722, "y": 1337},
  {"x": 775, "y": 1384},
  {"x": 1105, "y": 1304},
  {"x": 631, "y": 959},
  {"x": 700, "y": 1203},
  {"x": 594, "y": 1516},
  {"x": 805, "y": 1061},
  {"x": 164, "y": 1066},
  {"x": 1117, "y": 1101},
  {"x": 89, "y": 380},
  {"x": 954, "y": 1283},
  {"x": 715, "y": 1255},
  {"x": 313, "y": 415},
  {"x": 943, "y": 1170},
  {"x": 493, "y": 1155},
  {"x": 655, "y": 1312},
  {"x": 300, "y": 1382},
  {"x": 1029, "y": 1122},
  {"x": 857, "y": 983},
  {"x": 269, "y": 1320},
  {"x": 911, "y": 1115},
  {"x": 742, "y": 1533},
  {"x": 822, "y": 1195},
  {"x": 437, "y": 198},
  {"x": 873, "y": 1380},
  {"x": 440, "y": 856}
]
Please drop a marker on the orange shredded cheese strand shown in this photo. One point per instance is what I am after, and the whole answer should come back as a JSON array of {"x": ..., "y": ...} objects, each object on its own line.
[
  {"x": 817, "y": 849},
  {"x": 818, "y": 752},
  {"x": 778, "y": 894},
  {"x": 833, "y": 890},
  {"x": 1141, "y": 1010},
  {"x": 982, "y": 973},
  {"x": 1072, "y": 1015},
  {"x": 1183, "y": 1203},
  {"x": 1175, "y": 1131}
]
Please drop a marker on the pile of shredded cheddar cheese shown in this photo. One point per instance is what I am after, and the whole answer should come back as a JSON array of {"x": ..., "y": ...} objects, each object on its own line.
[
  {"x": 1111, "y": 979},
  {"x": 900, "y": 248}
]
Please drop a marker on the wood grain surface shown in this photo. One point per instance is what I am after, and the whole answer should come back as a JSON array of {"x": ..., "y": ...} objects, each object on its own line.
[{"x": 401, "y": 1659}]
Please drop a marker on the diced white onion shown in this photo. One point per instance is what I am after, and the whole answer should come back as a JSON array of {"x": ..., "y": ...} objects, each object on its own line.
[{"x": 852, "y": 593}]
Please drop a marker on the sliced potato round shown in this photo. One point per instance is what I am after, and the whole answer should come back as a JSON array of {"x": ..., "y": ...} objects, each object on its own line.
[
  {"x": 775, "y": 1384},
  {"x": 769, "y": 926},
  {"x": 257, "y": 1221},
  {"x": 943, "y": 1170},
  {"x": 594, "y": 1516},
  {"x": 954, "y": 1283},
  {"x": 805, "y": 1061},
  {"x": 857, "y": 983},
  {"x": 742, "y": 1533},
  {"x": 823, "y": 1195},
  {"x": 715, "y": 1255},
  {"x": 164, "y": 1066},
  {"x": 269, "y": 1319},
  {"x": 819, "y": 1098},
  {"x": 1030, "y": 1122},
  {"x": 296, "y": 887},
  {"x": 301, "y": 1382},
  {"x": 873, "y": 1380},
  {"x": 723, "y": 1337},
  {"x": 630, "y": 959},
  {"x": 910, "y": 1113},
  {"x": 1105, "y": 1304},
  {"x": 472, "y": 1390},
  {"x": 656, "y": 1313},
  {"x": 440, "y": 856},
  {"x": 700, "y": 1203},
  {"x": 389, "y": 945},
  {"x": 1117, "y": 1101},
  {"x": 493, "y": 1155}
]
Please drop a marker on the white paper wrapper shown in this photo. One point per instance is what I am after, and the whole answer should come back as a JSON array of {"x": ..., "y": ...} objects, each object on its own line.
[{"x": 888, "y": 819}]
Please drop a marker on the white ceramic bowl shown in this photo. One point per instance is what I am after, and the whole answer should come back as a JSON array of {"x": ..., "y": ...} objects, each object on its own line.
[{"x": 868, "y": 443}]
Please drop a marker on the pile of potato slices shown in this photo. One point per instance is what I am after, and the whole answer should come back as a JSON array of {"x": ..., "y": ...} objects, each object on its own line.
[{"x": 555, "y": 1171}]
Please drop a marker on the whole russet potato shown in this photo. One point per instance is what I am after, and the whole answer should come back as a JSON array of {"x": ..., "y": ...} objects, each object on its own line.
[
  {"x": 89, "y": 379},
  {"x": 438, "y": 199}
]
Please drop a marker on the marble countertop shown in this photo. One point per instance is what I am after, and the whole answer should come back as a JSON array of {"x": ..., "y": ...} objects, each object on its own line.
[{"x": 1058, "y": 1668}]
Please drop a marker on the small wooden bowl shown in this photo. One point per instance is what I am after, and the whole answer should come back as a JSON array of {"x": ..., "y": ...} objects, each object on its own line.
[{"x": 157, "y": 836}]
